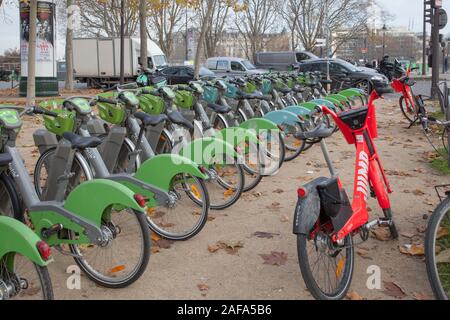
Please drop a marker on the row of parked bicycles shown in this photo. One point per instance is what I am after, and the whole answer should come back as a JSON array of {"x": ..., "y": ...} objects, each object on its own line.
[{"x": 158, "y": 158}]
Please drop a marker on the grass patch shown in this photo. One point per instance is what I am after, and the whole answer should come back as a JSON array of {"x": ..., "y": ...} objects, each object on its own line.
[{"x": 440, "y": 163}]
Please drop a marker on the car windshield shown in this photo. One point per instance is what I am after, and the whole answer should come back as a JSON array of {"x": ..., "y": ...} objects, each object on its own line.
[
  {"x": 248, "y": 65},
  {"x": 160, "y": 61},
  {"x": 348, "y": 66}
]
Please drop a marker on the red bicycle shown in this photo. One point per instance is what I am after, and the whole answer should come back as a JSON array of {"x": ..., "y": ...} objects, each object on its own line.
[{"x": 325, "y": 220}]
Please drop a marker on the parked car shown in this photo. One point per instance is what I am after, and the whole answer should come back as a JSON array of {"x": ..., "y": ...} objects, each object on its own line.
[
  {"x": 231, "y": 66},
  {"x": 184, "y": 74},
  {"x": 283, "y": 60},
  {"x": 362, "y": 78}
]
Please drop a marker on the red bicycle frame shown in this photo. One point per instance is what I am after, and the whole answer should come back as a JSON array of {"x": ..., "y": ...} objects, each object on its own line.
[
  {"x": 369, "y": 173},
  {"x": 405, "y": 90}
]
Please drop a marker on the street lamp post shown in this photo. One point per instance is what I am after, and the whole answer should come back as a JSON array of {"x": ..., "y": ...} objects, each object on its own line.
[
  {"x": 122, "y": 42},
  {"x": 384, "y": 40}
]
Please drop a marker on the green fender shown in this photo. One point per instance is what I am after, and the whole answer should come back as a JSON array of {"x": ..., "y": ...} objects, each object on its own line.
[
  {"x": 18, "y": 238},
  {"x": 351, "y": 93},
  {"x": 236, "y": 135},
  {"x": 300, "y": 111},
  {"x": 282, "y": 117},
  {"x": 336, "y": 102},
  {"x": 90, "y": 201},
  {"x": 326, "y": 103},
  {"x": 340, "y": 98},
  {"x": 258, "y": 124},
  {"x": 160, "y": 170},
  {"x": 201, "y": 151},
  {"x": 309, "y": 105}
]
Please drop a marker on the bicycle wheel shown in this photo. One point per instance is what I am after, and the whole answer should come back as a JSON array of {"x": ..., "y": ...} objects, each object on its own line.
[
  {"x": 409, "y": 112},
  {"x": 79, "y": 168},
  {"x": 24, "y": 280},
  {"x": 252, "y": 167},
  {"x": 326, "y": 268},
  {"x": 123, "y": 258},
  {"x": 437, "y": 249},
  {"x": 179, "y": 221},
  {"x": 293, "y": 145},
  {"x": 10, "y": 204}
]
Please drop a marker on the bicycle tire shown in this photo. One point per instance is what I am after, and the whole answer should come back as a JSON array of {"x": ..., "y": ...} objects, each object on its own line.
[
  {"x": 406, "y": 114},
  {"x": 430, "y": 249}
]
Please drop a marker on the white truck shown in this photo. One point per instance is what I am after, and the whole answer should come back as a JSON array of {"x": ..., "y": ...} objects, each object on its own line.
[{"x": 96, "y": 61}]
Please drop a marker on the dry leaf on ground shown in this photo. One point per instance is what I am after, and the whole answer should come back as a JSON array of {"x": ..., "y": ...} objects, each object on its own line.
[
  {"x": 275, "y": 258},
  {"x": 382, "y": 234},
  {"x": 412, "y": 249},
  {"x": 363, "y": 253},
  {"x": 278, "y": 191},
  {"x": 266, "y": 235},
  {"x": 393, "y": 290},
  {"x": 420, "y": 296},
  {"x": 203, "y": 287},
  {"x": 353, "y": 295},
  {"x": 443, "y": 257}
]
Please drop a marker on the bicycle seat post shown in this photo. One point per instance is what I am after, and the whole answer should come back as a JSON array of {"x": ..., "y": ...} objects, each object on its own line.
[{"x": 326, "y": 155}]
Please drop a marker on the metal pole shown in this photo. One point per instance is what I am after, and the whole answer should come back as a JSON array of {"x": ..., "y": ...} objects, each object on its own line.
[
  {"x": 122, "y": 42},
  {"x": 327, "y": 44},
  {"x": 436, "y": 52},
  {"x": 424, "y": 40},
  {"x": 384, "y": 42},
  {"x": 187, "y": 37}
]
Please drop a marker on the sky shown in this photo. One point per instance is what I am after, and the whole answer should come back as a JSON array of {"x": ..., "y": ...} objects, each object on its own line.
[{"x": 406, "y": 13}]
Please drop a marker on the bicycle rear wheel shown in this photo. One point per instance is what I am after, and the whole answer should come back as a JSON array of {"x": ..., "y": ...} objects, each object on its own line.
[
  {"x": 437, "y": 248},
  {"x": 326, "y": 268},
  {"x": 409, "y": 112}
]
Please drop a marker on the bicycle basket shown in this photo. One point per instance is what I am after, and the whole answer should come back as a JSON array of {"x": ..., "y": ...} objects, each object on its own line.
[
  {"x": 64, "y": 122},
  {"x": 330, "y": 197},
  {"x": 266, "y": 86},
  {"x": 184, "y": 99},
  {"x": 113, "y": 114},
  {"x": 211, "y": 94},
  {"x": 151, "y": 104},
  {"x": 249, "y": 88},
  {"x": 232, "y": 91}
]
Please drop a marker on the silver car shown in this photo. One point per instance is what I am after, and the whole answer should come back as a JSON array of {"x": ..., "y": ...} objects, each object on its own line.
[{"x": 230, "y": 66}]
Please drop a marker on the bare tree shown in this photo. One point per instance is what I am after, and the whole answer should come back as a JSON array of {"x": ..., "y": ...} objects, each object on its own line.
[
  {"x": 164, "y": 19},
  {"x": 102, "y": 18},
  {"x": 216, "y": 22},
  {"x": 256, "y": 21},
  {"x": 143, "y": 31},
  {"x": 204, "y": 27},
  {"x": 306, "y": 20},
  {"x": 69, "y": 46}
]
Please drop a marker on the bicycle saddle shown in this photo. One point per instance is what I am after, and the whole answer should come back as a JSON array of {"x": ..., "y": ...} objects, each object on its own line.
[
  {"x": 217, "y": 108},
  {"x": 285, "y": 90},
  {"x": 177, "y": 118},
  {"x": 79, "y": 142},
  {"x": 407, "y": 81},
  {"x": 321, "y": 131},
  {"x": 150, "y": 120},
  {"x": 5, "y": 159},
  {"x": 325, "y": 81}
]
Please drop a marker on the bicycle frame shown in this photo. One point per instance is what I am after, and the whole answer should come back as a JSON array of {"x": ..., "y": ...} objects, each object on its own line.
[{"x": 369, "y": 172}]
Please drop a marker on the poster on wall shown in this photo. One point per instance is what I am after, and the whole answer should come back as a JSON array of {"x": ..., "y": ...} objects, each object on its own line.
[{"x": 45, "y": 39}]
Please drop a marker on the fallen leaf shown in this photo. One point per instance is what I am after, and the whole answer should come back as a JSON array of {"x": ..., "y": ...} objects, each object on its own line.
[
  {"x": 420, "y": 296},
  {"x": 353, "y": 295},
  {"x": 381, "y": 234},
  {"x": 407, "y": 235},
  {"x": 278, "y": 191},
  {"x": 443, "y": 256},
  {"x": 265, "y": 235},
  {"x": 230, "y": 246},
  {"x": 442, "y": 232},
  {"x": 412, "y": 249},
  {"x": 213, "y": 248},
  {"x": 275, "y": 258},
  {"x": 164, "y": 243},
  {"x": 393, "y": 290},
  {"x": 155, "y": 237},
  {"x": 418, "y": 192},
  {"x": 203, "y": 287},
  {"x": 284, "y": 218},
  {"x": 274, "y": 206},
  {"x": 363, "y": 253},
  {"x": 155, "y": 249}
]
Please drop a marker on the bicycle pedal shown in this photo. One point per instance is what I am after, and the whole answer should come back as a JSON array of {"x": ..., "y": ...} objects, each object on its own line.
[
  {"x": 65, "y": 253},
  {"x": 52, "y": 230}
]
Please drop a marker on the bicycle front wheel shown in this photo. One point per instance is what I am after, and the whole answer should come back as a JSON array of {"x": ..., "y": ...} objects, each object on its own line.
[
  {"x": 409, "y": 111},
  {"x": 25, "y": 279},
  {"x": 437, "y": 248}
]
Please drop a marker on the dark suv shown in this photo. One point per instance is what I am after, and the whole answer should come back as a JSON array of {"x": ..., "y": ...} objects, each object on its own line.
[{"x": 341, "y": 70}]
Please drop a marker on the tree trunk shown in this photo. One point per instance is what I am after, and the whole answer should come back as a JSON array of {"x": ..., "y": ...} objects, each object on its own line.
[
  {"x": 31, "y": 79},
  {"x": 143, "y": 31},
  {"x": 69, "y": 46},
  {"x": 201, "y": 40}
]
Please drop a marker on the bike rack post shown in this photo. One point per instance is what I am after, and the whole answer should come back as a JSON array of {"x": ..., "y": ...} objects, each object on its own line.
[{"x": 447, "y": 117}]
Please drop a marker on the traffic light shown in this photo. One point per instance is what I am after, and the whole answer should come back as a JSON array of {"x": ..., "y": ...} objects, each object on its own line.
[{"x": 429, "y": 11}]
